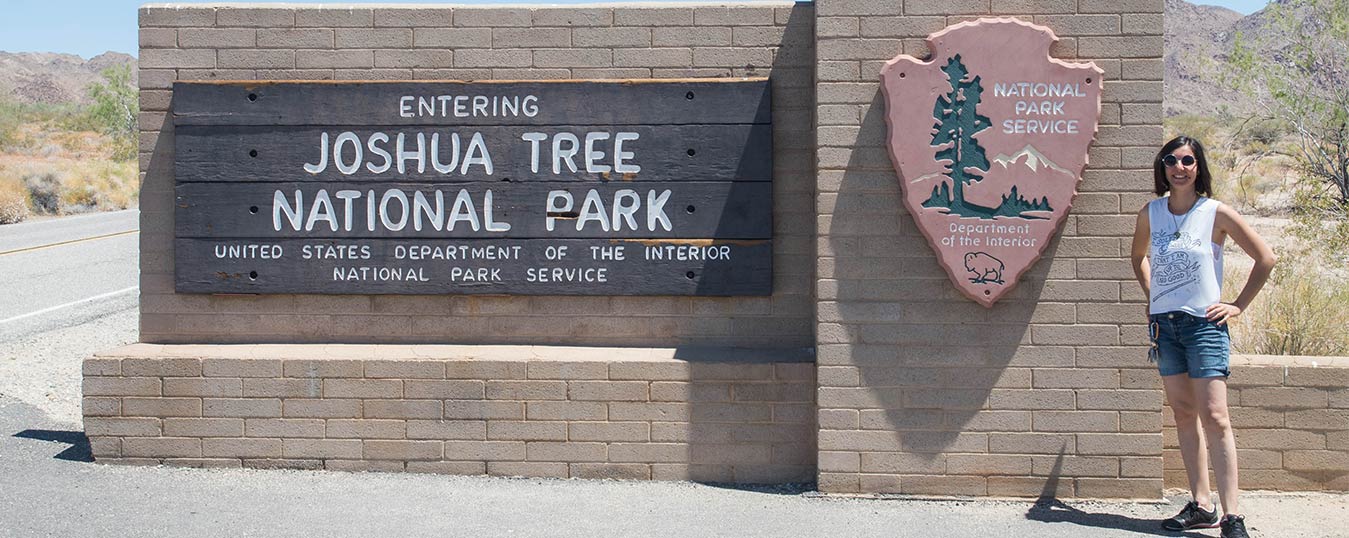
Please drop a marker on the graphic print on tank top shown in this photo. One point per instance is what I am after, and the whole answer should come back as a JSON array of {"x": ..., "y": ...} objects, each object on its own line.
[{"x": 1175, "y": 267}]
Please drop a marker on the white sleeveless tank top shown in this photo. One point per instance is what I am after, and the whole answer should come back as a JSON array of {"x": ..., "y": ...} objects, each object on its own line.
[{"x": 1186, "y": 265}]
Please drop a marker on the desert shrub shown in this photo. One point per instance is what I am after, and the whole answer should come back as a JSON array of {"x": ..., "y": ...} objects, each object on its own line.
[
  {"x": 44, "y": 189},
  {"x": 13, "y": 201},
  {"x": 115, "y": 110},
  {"x": 1302, "y": 310},
  {"x": 100, "y": 186}
]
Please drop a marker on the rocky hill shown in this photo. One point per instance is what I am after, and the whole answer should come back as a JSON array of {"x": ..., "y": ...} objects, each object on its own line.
[{"x": 52, "y": 78}]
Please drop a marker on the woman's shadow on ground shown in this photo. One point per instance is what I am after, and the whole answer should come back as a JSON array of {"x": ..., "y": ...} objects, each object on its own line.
[{"x": 1049, "y": 509}]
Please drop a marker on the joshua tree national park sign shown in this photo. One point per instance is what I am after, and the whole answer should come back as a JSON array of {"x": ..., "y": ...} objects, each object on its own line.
[{"x": 989, "y": 137}]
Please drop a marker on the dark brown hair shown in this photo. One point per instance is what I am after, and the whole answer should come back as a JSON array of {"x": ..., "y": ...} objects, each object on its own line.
[{"x": 1203, "y": 182}]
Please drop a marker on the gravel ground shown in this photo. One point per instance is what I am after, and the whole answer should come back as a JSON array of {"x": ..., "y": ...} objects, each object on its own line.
[{"x": 42, "y": 367}]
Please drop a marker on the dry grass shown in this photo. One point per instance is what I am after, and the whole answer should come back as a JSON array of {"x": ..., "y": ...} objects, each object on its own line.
[
  {"x": 63, "y": 166},
  {"x": 1301, "y": 311}
]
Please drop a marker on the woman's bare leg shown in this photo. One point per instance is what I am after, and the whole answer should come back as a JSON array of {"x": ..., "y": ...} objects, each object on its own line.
[
  {"x": 1180, "y": 394},
  {"x": 1212, "y": 391}
]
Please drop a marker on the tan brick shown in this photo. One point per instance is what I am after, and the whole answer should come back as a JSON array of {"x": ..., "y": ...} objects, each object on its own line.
[
  {"x": 1031, "y": 399},
  {"x": 565, "y": 452},
  {"x": 241, "y": 408},
  {"x": 100, "y": 407},
  {"x": 203, "y": 427},
  {"x": 161, "y": 367},
  {"x": 322, "y": 368},
  {"x": 573, "y": 16},
  {"x": 1318, "y": 419},
  {"x": 223, "y": 388},
  {"x": 453, "y": 38},
  {"x": 121, "y": 386},
  {"x": 1119, "y": 488},
  {"x": 650, "y": 371},
  {"x": 526, "y": 390},
  {"x": 321, "y": 448},
  {"x": 259, "y": 17},
  {"x": 411, "y": 16},
  {"x": 567, "y": 370},
  {"x": 447, "y": 429},
  {"x": 1279, "y": 439},
  {"x": 609, "y": 431},
  {"x": 481, "y": 410},
  {"x": 287, "y": 463},
  {"x": 240, "y": 368},
  {"x": 216, "y": 38},
  {"x": 317, "y": 408},
  {"x": 569, "y": 410},
  {"x": 122, "y": 427},
  {"x": 610, "y": 471},
  {"x": 161, "y": 447},
  {"x": 405, "y": 409},
  {"x": 162, "y": 407},
  {"x": 526, "y": 431},
  {"x": 611, "y": 37},
  {"x": 648, "y": 453},
  {"x": 241, "y": 448},
  {"x": 1075, "y": 421},
  {"x": 677, "y": 391},
  {"x": 642, "y": 15},
  {"x": 284, "y": 427},
  {"x": 533, "y": 469},
  {"x": 607, "y": 391},
  {"x": 334, "y": 17},
  {"x": 492, "y": 17},
  {"x": 101, "y": 367},
  {"x": 363, "y": 388},
  {"x": 1282, "y": 397},
  {"x": 333, "y": 59},
  {"x": 299, "y": 38},
  {"x": 366, "y": 429},
  {"x": 485, "y": 450},
  {"x": 1304, "y": 376},
  {"x": 444, "y": 390},
  {"x": 838, "y": 419},
  {"x": 402, "y": 450},
  {"x": 177, "y": 16},
  {"x": 1031, "y": 443},
  {"x": 405, "y": 369}
]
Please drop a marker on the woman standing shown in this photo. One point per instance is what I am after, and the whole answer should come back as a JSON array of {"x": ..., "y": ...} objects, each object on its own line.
[{"x": 1177, "y": 257}]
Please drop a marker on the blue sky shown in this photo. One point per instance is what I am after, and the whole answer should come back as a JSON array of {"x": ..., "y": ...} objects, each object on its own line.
[{"x": 90, "y": 27}]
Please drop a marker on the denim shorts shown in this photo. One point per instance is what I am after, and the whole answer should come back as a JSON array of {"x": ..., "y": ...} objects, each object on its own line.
[{"x": 1185, "y": 343}]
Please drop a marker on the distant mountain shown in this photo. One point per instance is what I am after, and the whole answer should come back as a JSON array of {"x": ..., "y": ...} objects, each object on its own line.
[
  {"x": 52, "y": 78},
  {"x": 1198, "y": 40}
]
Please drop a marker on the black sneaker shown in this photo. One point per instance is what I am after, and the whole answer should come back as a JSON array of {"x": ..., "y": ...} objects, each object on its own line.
[
  {"x": 1234, "y": 527},
  {"x": 1193, "y": 517}
]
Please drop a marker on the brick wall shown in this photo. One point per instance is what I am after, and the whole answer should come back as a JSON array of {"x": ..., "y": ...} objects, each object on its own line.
[
  {"x": 205, "y": 42},
  {"x": 502, "y": 410},
  {"x": 923, "y": 391},
  {"x": 1291, "y": 416}
]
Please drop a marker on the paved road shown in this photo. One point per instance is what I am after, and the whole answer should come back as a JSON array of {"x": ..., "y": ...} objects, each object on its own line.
[
  {"x": 69, "y": 290},
  {"x": 63, "y": 272}
]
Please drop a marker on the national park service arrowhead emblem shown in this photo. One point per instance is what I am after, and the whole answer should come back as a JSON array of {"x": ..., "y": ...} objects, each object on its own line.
[{"x": 990, "y": 138}]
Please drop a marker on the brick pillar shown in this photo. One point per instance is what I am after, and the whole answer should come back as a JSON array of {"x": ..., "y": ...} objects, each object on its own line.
[{"x": 922, "y": 391}]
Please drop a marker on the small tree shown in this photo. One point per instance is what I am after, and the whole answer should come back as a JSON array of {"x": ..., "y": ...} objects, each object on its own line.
[
  {"x": 1299, "y": 74},
  {"x": 958, "y": 120},
  {"x": 115, "y": 109}
]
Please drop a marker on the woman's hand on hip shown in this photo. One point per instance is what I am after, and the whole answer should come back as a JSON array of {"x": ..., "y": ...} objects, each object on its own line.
[{"x": 1221, "y": 313}]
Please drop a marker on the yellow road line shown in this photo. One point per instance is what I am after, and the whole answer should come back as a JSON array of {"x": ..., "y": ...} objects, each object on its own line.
[{"x": 72, "y": 241}]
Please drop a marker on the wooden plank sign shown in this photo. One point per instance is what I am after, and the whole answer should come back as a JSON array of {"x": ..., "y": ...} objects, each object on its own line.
[{"x": 512, "y": 188}]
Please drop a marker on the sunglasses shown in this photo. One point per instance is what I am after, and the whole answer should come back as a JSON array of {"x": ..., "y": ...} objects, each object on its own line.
[{"x": 1171, "y": 160}]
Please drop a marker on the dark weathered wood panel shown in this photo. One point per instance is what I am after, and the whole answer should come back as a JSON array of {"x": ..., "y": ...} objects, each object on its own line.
[
  {"x": 741, "y": 267},
  {"x": 738, "y": 210},
  {"x": 280, "y": 153},
  {"x": 655, "y": 102}
]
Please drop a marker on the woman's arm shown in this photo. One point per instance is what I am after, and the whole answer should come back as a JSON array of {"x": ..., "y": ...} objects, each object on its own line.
[
  {"x": 1231, "y": 223},
  {"x": 1142, "y": 236}
]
